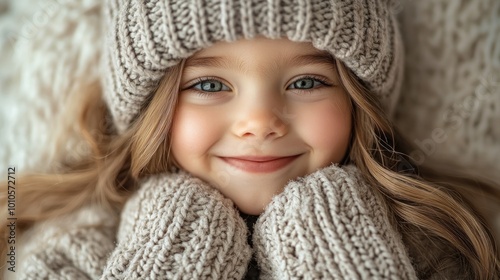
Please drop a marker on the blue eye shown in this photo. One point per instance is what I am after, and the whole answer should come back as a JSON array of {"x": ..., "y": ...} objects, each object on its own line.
[
  {"x": 306, "y": 83},
  {"x": 211, "y": 85}
]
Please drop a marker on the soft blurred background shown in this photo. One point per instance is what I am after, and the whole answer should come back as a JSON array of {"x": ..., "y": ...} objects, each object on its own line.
[{"x": 449, "y": 107}]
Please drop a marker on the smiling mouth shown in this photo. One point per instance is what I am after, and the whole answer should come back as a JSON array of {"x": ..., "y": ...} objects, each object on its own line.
[{"x": 259, "y": 164}]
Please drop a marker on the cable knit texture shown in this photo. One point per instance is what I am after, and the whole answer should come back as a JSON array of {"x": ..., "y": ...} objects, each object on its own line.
[
  {"x": 450, "y": 108},
  {"x": 75, "y": 246},
  {"x": 145, "y": 38},
  {"x": 329, "y": 225},
  {"x": 176, "y": 227}
]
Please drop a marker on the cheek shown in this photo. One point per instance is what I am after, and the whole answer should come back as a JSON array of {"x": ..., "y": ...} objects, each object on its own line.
[
  {"x": 193, "y": 132},
  {"x": 326, "y": 128}
]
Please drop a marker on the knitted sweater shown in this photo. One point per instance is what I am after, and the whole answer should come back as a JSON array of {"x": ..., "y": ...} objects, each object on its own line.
[{"x": 327, "y": 225}]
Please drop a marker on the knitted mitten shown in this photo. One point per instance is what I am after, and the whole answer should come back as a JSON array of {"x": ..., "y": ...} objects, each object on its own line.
[
  {"x": 177, "y": 227},
  {"x": 329, "y": 224}
]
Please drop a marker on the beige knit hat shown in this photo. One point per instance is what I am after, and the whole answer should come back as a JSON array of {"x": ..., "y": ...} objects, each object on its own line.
[{"x": 145, "y": 38}]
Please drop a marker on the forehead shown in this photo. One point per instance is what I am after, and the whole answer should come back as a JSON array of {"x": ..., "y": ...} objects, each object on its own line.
[{"x": 259, "y": 50}]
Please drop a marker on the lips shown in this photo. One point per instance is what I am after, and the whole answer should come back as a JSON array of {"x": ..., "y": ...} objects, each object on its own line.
[{"x": 259, "y": 164}]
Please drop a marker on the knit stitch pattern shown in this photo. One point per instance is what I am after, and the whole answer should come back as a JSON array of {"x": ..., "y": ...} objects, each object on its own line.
[
  {"x": 330, "y": 226},
  {"x": 176, "y": 227},
  {"x": 453, "y": 84},
  {"x": 327, "y": 225},
  {"x": 80, "y": 254},
  {"x": 74, "y": 246},
  {"x": 145, "y": 38}
]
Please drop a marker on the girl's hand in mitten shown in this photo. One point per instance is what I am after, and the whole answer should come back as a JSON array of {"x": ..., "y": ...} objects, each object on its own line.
[
  {"x": 329, "y": 224},
  {"x": 176, "y": 226}
]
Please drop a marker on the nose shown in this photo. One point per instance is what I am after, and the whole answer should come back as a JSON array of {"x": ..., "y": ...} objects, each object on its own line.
[{"x": 260, "y": 124}]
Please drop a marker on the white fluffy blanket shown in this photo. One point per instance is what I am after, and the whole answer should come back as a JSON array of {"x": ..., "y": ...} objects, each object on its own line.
[{"x": 450, "y": 105}]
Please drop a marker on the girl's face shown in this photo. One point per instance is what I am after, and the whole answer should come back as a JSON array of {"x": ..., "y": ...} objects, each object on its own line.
[{"x": 255, "y": 114}]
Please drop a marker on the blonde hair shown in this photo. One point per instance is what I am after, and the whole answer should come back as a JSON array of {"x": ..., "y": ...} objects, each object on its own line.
[
  {"x": 435, "y": 210},
  {"x": 109, "y": 174}
]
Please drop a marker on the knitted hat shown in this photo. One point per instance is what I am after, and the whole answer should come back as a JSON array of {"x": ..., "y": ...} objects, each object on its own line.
[{"x": 145, "y": 38}]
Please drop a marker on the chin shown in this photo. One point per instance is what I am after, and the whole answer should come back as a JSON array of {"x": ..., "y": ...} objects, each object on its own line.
[{"x": 252, "y": 196}]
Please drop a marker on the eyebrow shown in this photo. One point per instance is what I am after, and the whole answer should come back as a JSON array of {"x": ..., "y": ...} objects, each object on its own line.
[
  {"x": 316, "y": 58},
  {"x": 208, "y": 61},
  {"x": 298, "y": 60}
]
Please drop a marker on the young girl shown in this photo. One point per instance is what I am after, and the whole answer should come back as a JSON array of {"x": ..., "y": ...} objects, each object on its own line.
[{"x": 246, "y": 139}]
